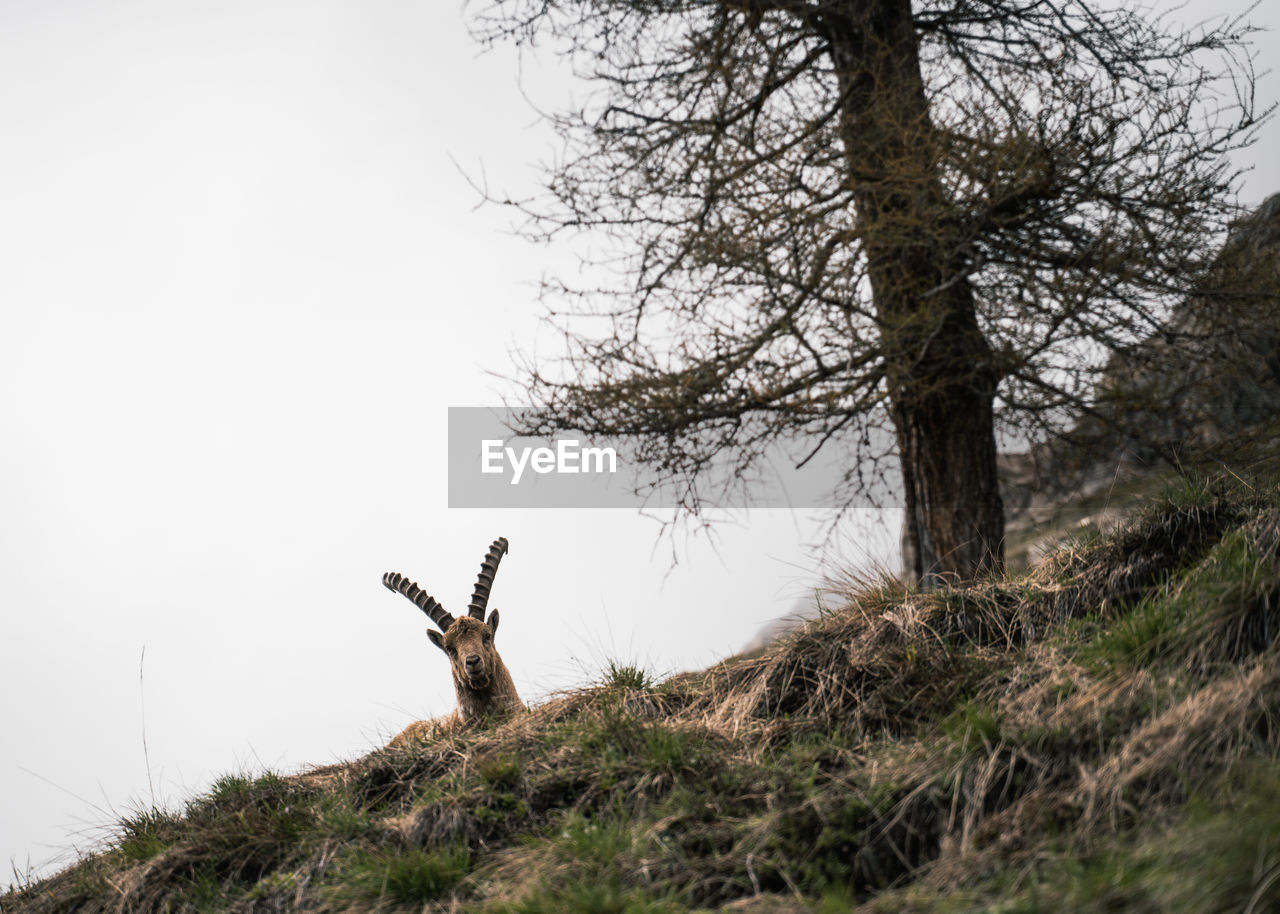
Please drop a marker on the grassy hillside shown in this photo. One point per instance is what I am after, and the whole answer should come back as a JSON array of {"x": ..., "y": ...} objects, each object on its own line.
[{"x": 1101, "y": 733}]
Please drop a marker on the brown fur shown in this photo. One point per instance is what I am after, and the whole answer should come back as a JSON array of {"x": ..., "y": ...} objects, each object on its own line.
[
  {"x": 484, "y": 686},
  {"x": 486, "y": 691}
]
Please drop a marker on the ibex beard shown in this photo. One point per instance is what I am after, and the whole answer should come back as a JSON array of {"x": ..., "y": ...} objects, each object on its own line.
[{"x": 484, "y": 687}]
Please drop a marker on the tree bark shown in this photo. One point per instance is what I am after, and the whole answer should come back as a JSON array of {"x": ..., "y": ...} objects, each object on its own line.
[
  {"x": 939, "y": 367},
  {"x": 955, "y": 515}
]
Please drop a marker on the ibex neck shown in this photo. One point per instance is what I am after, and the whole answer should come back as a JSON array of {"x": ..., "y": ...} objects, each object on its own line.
[{"x": 498, "y": 699}]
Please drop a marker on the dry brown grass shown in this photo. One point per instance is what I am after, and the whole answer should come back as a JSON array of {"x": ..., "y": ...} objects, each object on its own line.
[{"x": 912, "y": 751}]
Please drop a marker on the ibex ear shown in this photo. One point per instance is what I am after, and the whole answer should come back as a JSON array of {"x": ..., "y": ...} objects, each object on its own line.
[
  {"x": 436, "y": 638},
  {"x": 493, "y": 621}
]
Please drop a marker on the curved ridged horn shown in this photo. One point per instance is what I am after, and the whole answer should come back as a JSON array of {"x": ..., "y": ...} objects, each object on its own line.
[
  {"x": 420, "y": 598},
  {"x": 488, "y": 568}
]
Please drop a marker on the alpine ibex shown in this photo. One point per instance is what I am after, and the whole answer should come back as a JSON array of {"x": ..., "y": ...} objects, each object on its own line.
[{"x": 483, "y": 684}]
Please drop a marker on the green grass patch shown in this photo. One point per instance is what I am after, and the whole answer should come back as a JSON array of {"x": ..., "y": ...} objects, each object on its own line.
[
  {"x": 1221, "y": 856},
  {"x": 621, "y": 745},
  {"x": 400, "y": 876},
  {"x": 146, "y": 834},
  {"x": 973, "y": 726},
  {"x": 626, "y": 676},
  {"x": 1220, "y": 608},
  {"x": 587, "y": 896},
  {"x": 588, "y": 863},
  {"x": 501, "y": 770}
]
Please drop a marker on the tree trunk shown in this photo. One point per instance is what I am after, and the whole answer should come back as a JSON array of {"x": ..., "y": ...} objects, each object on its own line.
[
  {"x": 955, "y": 515},
  {"x": 939, "y": 368},
  {"x": 919, "y": 560}
]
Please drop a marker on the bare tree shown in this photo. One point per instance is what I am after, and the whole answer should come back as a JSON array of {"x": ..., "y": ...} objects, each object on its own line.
[{"x": 938, "y": 218}]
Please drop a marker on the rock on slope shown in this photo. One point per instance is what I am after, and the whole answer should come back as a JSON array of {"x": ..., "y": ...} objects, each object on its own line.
[{"x": 1200, "y": 390}]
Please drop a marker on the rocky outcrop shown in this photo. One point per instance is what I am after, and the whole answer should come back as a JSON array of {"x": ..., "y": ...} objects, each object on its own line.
[{"x": 1197, "y": 389}]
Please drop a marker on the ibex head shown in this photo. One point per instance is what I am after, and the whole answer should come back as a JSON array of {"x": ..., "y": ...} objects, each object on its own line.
[{"x": 468, "y": 641}]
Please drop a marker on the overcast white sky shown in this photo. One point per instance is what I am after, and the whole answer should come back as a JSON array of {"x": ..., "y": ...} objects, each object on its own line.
[{"x": 241, "y": 280}]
